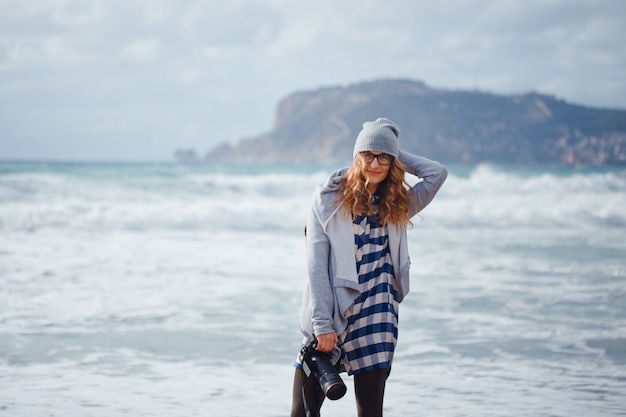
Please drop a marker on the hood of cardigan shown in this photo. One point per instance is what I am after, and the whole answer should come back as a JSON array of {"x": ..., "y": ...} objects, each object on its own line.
[{"x": 325, "y": 204}]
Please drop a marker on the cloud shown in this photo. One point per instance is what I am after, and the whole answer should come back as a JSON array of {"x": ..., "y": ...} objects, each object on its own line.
[
  {"x": 221, "y": 67},
  {"x": 141, "y": 50}
]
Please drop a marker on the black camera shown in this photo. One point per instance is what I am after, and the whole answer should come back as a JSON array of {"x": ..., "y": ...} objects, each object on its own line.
[{"x": 319, "y": 364}]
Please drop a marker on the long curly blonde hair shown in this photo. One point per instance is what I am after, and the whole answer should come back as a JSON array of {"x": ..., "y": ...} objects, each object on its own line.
[{"x": 394, "y": 192}]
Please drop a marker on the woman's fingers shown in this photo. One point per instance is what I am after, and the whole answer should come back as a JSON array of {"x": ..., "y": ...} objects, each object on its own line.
[{"x": 326, "y": 342}]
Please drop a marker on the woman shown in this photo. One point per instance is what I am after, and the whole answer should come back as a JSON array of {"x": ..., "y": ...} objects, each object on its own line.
[{"x": 358, "y": 264}]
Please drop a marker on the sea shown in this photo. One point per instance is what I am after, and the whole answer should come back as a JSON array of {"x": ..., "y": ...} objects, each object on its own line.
[{"x": 165, "y": 289}]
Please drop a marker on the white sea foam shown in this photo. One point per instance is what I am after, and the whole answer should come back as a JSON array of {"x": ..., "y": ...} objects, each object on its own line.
[
  {"x": 148, "y": 289},
  {"x": 488, "y": 197},
  {"x": 492, "y": 197}
]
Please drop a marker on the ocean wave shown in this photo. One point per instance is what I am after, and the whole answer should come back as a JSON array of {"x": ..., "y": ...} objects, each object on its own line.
[
  {"x": 493, "y": 197},
  {"x": 486, "y": 196},
  {"x": 31, "y": 201}
]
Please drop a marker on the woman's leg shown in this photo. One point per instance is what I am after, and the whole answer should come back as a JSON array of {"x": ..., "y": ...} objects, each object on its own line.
[
  {"x": 307, "y": 396},
  {"x": 369, "y": 390}
]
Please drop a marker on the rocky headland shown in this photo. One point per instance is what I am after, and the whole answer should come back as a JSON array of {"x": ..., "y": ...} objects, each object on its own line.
[{"x": 320, "y": 126}]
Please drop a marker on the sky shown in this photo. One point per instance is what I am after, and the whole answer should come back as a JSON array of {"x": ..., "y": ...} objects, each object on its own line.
[{"x": 134, "y": 80}]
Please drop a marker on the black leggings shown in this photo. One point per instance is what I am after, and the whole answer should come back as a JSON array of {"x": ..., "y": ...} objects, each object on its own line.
[{"x": 369, "y": 390}]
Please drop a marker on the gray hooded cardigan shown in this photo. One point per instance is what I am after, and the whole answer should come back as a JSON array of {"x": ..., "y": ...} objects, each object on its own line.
[{"x": 333, "y": 281}]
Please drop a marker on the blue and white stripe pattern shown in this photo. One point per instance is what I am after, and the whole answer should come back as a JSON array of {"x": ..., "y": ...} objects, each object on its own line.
[{"x": 370, "y": 338}]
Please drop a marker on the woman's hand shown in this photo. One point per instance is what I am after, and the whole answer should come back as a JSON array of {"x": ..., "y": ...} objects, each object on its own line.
[{"x": 326, "y": 342}]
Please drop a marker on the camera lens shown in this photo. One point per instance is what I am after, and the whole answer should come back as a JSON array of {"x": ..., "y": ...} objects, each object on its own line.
[
  {"x": 327, "y": 375},
  {"x": 334, "y": 390}
]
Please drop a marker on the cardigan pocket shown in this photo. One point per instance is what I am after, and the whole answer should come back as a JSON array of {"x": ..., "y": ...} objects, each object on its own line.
[
  {"x": 346, "y": 291},
  {"x": 347, "y": 283}
]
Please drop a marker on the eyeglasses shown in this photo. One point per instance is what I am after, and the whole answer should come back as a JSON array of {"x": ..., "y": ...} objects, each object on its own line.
[{"x": 383, "y": 158}]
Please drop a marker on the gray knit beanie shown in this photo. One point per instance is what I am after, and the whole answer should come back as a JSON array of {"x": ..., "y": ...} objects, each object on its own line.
[{"x": 380, "y": 135}]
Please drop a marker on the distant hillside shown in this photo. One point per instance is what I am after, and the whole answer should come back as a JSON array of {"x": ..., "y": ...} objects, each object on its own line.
[{"x": 446, "y": 125}]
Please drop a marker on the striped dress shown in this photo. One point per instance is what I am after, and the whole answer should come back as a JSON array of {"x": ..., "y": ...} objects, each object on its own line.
[{"x": 369, "y": 341}]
